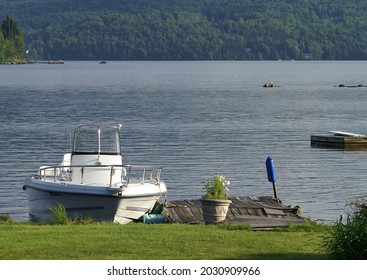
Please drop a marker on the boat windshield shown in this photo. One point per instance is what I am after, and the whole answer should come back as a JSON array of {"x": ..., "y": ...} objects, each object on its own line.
[{"x": 96, "y": 140}]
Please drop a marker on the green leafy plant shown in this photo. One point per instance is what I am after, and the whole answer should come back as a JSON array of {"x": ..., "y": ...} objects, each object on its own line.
[
  {"x": 349, "y": 240},
  {"x": 5, "y": 218},
  {"x": 216, "y": 188},
  {"x": 60, "y": 217}
]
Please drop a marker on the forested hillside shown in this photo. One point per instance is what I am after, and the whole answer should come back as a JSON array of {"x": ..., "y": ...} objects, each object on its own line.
[{"x": 191, "y": 29}]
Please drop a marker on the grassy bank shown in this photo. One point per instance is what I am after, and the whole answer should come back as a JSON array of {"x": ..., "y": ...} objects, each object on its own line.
[{"x": 106, "y": 241}]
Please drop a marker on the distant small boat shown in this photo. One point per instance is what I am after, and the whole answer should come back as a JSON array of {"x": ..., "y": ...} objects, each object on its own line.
[
  {"x": 92, "y": 181},
  {"x": 103, "y": 62},
  {"x": 346, "y": 134}
]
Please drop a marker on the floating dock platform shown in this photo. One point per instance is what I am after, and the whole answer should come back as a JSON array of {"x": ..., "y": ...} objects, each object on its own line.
[
  {"x": 260, "y": 213},
  {"x": 338, "y": 142}
]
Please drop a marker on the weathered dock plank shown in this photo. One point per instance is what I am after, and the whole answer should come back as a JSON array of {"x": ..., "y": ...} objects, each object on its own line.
[
  {"x": 339, "y": 142},
  {"x": 266, "y": 223},
  {"x": 261, "y": 213}
]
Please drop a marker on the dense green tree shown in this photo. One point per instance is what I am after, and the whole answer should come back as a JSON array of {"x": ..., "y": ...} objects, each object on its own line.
[
  {"x": 11, "y": 41},
  {"x": 2, "y": 47},
  {"x": 10, "y": 28}
]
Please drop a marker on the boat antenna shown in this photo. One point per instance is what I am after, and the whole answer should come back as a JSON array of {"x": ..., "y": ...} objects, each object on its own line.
[{"x": 99, "y": 141}]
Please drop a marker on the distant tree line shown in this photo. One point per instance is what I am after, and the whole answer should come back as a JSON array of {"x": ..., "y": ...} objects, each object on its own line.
[
  {"x": 11, "y": 41},
  {"x": 192, "y": 29}
]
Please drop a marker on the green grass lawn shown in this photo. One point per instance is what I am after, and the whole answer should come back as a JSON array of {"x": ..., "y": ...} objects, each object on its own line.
[{"x": 107, "y": 241}]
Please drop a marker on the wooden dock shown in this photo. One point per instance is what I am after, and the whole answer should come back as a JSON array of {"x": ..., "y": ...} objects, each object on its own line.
[
  {"x": 338, "y": 142},
  {"x": 259, "y": 212}
]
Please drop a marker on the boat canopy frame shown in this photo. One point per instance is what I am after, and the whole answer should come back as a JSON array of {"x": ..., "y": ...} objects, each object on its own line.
[{"x": 96, "y": 140}]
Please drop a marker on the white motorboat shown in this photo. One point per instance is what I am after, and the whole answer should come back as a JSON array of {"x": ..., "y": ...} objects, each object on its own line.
[{"x": 92, "y": 182}]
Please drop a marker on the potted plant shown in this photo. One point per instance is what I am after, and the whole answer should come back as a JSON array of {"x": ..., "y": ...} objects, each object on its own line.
[{"x": 215, "y": 202}]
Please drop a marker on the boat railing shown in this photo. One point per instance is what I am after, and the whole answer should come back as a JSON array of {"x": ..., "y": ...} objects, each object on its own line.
[{"x": 129, "y": 173}]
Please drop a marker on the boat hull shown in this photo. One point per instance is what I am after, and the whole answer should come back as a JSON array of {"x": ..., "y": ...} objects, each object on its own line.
[{"x": 121, "y": 205}]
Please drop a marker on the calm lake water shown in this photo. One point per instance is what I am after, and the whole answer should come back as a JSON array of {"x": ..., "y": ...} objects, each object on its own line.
[{"x": 196, "y": 119}]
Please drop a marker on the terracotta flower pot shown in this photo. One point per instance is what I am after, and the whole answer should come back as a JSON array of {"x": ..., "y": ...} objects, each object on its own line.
[{"x": 214, "y": 210}]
